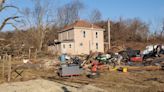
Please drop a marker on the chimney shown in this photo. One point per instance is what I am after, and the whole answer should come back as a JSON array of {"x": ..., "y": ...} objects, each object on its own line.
[{"x": 109, "y": 34}]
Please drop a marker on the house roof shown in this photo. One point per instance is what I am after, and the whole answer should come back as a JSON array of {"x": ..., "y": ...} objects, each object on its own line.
[{"x": 80, "y": 23}]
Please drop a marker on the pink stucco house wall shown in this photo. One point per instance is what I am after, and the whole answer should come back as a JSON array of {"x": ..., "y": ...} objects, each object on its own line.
[{"x": 81, "y": 37}]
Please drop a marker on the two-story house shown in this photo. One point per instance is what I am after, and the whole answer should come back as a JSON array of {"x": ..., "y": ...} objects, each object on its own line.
[{"x": 81, "y": 37}]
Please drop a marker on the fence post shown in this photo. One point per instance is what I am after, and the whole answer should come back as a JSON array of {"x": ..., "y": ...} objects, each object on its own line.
[
  {"x": 9, "y": 68},
  {"x": 36, "y": 51},
  {"x": 29, "y": 53},
  {"x": 3, "y": 59}
]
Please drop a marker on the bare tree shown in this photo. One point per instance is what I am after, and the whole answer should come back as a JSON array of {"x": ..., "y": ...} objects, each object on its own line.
[
  {"x": 39, "y": 20},
  {"x": 126, "y": 30},
  {"x": 162, "y": 30},
  {"x": 7, "y": 20},
  {"x": 95, "y": 16},
  {"x": 69, "y": 12},
  {"x": 157, "y": 27},
  {"x": 139, "y": 28}
]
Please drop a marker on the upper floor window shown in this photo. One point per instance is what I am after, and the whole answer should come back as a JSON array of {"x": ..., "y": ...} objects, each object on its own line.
[
  {"x": 97, "y": 46},
  {"x": 84, "y": 34},
  {"x": 96, "y": 34},
  {"x": 70, "y": 45}
]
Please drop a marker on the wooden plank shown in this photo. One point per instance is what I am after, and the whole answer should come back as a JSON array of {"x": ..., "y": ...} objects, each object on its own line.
[
  {"x": 18, "y": 73},
  {"x": 146, "y": 68}
]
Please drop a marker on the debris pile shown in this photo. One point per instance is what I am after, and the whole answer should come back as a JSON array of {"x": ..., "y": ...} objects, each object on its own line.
[{"x": 96, "y": 61}]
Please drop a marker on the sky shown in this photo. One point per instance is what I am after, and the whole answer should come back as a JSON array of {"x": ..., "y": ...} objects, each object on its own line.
[{"x": 149, "y": 11}]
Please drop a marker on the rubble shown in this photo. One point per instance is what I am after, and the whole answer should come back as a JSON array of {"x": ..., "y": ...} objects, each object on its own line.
[{"x": 128, "y": 60}]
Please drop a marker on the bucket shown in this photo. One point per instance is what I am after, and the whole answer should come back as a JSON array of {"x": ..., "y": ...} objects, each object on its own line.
[{"x": 125, "y": 69}]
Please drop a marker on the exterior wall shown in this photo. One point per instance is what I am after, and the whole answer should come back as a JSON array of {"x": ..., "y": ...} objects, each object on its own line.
[
  {"x": 98, "y": 38},
  {"x": 89, "y": 41},
  {"x": 67, "y": 47},
  {"x": 81, "y": 44}
]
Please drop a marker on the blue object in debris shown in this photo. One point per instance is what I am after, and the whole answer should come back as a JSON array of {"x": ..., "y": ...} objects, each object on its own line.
[{"x": 62, "y": 58}]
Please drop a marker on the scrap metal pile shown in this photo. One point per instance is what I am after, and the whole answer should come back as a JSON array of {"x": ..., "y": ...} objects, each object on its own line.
[{"x": 76, "y": 65}]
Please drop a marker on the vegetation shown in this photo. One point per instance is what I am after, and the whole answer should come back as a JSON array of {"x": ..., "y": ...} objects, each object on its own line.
[{"x": 41, "y": 23}]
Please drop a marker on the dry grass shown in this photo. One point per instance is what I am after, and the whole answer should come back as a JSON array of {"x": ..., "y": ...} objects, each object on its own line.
[
  {"x": 135, "y": 81},
  {"x": 143, "y": 81}
]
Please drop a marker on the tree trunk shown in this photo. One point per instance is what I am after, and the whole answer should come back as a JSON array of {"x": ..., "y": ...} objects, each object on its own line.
[{"x": 42, "y": 36}]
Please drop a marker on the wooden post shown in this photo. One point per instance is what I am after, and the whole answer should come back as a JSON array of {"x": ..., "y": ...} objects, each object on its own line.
[
  {"x": 29, "y": 53},
  {"x": 3, "y": 69},
  {"x": 109, "y": 46},
  {"x": 36, "y": 53},
  {"x": 9, "y": 68}
]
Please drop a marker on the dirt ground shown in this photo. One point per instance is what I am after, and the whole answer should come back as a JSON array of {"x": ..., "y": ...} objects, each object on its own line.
[
  {"x": 43, "y": 80},
  {"x": 134, "y": 81},
  {"x": 138, "y": 81},
  {"x": 41, "y": 85}
]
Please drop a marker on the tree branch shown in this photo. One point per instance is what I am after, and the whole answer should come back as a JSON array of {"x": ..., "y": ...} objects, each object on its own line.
[
  {"x": 8, "y": 6},
  {"x": 6, "y": 20},
  {"x": 12, "y": 25},
  {"x": 2, "y": 6}
]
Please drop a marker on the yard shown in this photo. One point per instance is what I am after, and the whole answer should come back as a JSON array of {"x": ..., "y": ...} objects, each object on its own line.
[{"x": 113, "y": 81}]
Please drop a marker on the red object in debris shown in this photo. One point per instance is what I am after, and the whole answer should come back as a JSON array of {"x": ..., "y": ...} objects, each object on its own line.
[
  {"x": 95, "y": 62},
  {"x": 94, "y": 66},
  {"x": 136, "y": 59}
]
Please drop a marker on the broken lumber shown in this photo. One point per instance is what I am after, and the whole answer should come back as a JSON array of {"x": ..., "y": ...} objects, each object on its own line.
[{"x": 146, "y": 68}]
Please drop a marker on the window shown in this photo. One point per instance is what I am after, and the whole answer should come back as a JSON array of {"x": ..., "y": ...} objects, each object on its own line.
[
  {"x": 97, "y": 46},
  {"x": 63, "y": 45},
  {"x": 81, "y": 44},
  {"x": 84, "y": 34},
  {"x": 96, "y": 35},
  {"x": 70, "y": 45}
]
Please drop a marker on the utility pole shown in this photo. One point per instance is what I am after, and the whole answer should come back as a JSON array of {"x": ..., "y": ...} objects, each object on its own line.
[
  {"x": 109, "y": 45},
  {"x": 161, "y": 36},
  {"x": 163, "y": 27}
]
